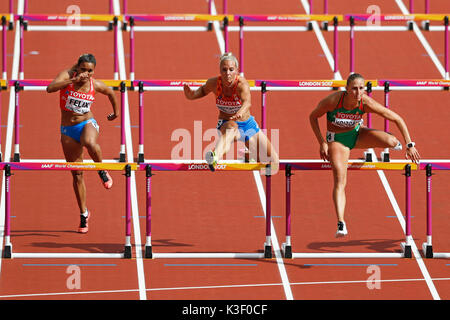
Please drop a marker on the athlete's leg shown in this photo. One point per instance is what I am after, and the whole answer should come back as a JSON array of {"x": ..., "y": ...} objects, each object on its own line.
[
  {"x": 261, "y": 149},
  {"x": 229, "y": 132},
  {"x": 88, "y": 139},
  {"x": 339, "y": 155},
  {"x": 372, "y": 138},
  {"x": 73, "y": 152}
]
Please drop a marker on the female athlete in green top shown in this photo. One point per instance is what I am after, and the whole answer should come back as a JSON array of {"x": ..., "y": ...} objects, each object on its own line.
[{"x": 345, "y": 131}]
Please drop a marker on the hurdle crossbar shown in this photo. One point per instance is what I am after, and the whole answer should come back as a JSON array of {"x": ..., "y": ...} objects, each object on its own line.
[
  {"x": 73, "y": 24},
  {"x": 41, "y": 85},
  {"x": 8, "y": 167},
  {"x": 165, "y": 165},
  {"x": 288, "y": 166},
  {"x": 427, "y": 247}
]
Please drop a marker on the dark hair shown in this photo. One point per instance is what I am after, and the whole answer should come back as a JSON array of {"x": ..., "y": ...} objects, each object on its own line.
[
  {"x": 354, "y": 76},
  {"x": 87, "y": 57}
]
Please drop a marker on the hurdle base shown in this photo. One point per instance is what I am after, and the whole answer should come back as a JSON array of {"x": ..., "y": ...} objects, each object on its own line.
[
  {"x": 385, "y": 157},
  {"x": 148, "y": 252},
  {"x": 407, "y": 252},
  {"x": 67, "y": 255},
  {"x": 7, "y": 252},
  {"x": 127, "y": 252},
  {"x": 325, "y": 25},
  {"x": 427, "y": 250},
  {"x": 426, "y": 25},
  {"x": 140, "y": 158},
  {"x": 121, "y": 157},
  {"x": 16, "y": 157},
  {"x": 207, "y": 255},
  {"x": 287, "y": 250},
  {"x": 368, "y": 156},
  {"x": 267, "y": 251}
]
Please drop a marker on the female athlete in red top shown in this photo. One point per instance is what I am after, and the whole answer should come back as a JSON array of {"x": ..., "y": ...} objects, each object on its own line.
[
  {"x": 233, "y": 100},
  {"x": 78, "y": 126}
]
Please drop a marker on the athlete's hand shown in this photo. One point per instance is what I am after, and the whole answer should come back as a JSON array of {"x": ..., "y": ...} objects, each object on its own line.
[
  {"x": 413, "y": 154},
  {"x": 324, "y": 151},
  {"x": 236, "y": 117},
  {"x": 112, "y": 116}
]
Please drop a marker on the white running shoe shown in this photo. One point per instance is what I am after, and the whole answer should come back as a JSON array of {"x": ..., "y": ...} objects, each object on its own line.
[
  {"x": 210, "y": 158},
  {"x": 341, "y": 230}
]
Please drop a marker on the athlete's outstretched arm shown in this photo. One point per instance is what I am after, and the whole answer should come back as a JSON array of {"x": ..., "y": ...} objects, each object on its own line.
[{"x": 201, "y": 91}]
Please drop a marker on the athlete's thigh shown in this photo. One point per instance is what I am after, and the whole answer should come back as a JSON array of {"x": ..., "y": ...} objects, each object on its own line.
[
  {"x": 338, "y": 155},
  {"x": 230, "y": 128},
  {"x": 373, "y": 138},
  {"x": 73, "y": 151},
  {"x": 89, "y": 134}
]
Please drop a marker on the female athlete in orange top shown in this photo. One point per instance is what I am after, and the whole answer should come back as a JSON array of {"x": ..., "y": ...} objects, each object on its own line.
[
  {"x": 78, "y": 126},
  {"x": 235, "y": 122}
]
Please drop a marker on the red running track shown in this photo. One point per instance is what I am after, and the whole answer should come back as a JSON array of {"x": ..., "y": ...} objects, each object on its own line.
[{"x": 205, "y": 212}]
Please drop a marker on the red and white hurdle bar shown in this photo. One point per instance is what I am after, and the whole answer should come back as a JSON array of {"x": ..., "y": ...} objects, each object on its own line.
[
  {"x": 352, "y": 165},
  {"x": 41, "y": 85},
  {"x": 287, "y": 165},
  {"x": 8, "y": 168}
]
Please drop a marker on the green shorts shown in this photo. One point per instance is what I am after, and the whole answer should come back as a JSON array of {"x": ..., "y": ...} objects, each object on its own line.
[{"x": 348, "y": 138}]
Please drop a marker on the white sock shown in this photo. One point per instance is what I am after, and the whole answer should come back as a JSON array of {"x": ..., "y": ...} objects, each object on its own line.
[{"x": 85, "y": 214}]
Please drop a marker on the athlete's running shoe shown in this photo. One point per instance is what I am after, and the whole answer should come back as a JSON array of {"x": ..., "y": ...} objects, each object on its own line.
[
  {"x": 211, "y": 160},
  {"x": 106, "y": 179},
  {"x": 83, "y": 228},
  {"x": 341, "y": 230}
]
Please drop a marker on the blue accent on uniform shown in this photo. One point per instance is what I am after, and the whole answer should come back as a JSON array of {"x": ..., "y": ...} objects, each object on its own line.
[
  {"x": 247, "y": 128},
  {"x": 76, "y": 130}
]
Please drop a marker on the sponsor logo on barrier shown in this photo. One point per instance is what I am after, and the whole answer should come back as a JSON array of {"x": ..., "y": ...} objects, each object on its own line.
[
  {"x": 315, "y": 83},
  {"x": 47, "y": 166},
  {"x": 206, "y": 167}
]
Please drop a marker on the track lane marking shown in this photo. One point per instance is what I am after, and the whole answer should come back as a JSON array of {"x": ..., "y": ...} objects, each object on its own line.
[{"x": 130, "y": 153}]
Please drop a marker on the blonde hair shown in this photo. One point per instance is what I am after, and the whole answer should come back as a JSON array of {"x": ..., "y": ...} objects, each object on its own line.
[{"x": 229, "y": 56}]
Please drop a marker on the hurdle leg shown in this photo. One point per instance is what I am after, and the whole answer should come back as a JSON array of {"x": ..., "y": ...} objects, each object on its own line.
[
  {"x": 4, "y": 74},
  {"x": 148, "y": 241},
  {"x": 127, "y": 251},
  {"x": 7, "y": 252},
  {"x": 16, "y": 157},
  {"x": 406, "y": 246},
  {"x": 122, "y": 122},
  {"x": 427, "y": 247},
  {"x": 287, "y": 247},
  {"x": 385, "y": 154},
  {"x": 268, "y": 244},
  {"x": 141, "y": 123}
]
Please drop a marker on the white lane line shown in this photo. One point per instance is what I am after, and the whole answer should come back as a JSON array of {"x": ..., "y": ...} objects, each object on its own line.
[
  {"x": 130, "y": 153},
  {"x": 10, "y": 126},
  {"x": 255, "y": 285},
  {"x": 262, "y": 195},
  {"x": 423, "y": 41},
  {"x": 389, "y": 192}
]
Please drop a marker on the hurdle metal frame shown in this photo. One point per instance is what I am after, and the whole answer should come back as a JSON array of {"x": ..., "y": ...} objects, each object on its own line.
[
  {"x": 8, "y": 167},
  {"x": 167, "y": 165},
  {"x": 41, "y": 85},
  {"x": 24, "y": 25},
  {"x": 427, "y": 247},
  {"x": 352, "y": 165}
]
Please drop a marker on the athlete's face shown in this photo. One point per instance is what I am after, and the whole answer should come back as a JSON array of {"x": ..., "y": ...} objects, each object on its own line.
[
  {"x": 85, "y": 70},
  {"x": 228, "y": 72},
  {"x": 355, "y": 89}
]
